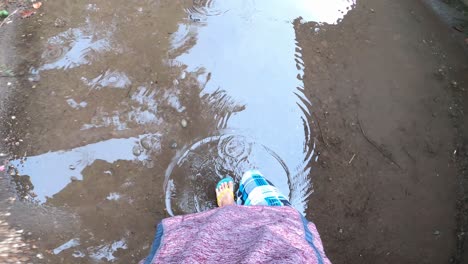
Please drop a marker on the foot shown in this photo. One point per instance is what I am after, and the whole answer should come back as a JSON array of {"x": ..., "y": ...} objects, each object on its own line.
[{"x": 225, "y": 194}]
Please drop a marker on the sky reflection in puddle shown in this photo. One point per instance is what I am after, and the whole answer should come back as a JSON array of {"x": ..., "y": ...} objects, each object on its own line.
[
  {"x": 71, "y": 49},
  {"x": 51, "y": 172},
  {"x": 248, "y": 48}
]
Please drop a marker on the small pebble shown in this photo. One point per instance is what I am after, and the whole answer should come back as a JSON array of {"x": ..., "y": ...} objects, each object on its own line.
[
  {"x": 137, "y": 150},
  {"x": 8, "y": 83},
  {"x": 59, "y": 22},
  {"x": 454, "y": 84},
  {"x": 173, "y": 145},
  {"x": 183, "y": 123},
  {"x": 441, "y": 73},
  {"x": 146, "y": 143},
  {"x": 24, "y": 259},
  {"x": 13, "y": 117},
  {"x": 436, "y": 233},
  {"x": 73, "y": 178}
]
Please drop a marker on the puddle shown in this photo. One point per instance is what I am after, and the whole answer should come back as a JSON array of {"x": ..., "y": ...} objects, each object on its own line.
[
  {"x": 140, "y": 109},
  {"x": 50, "y": 172},
  {"x": 248, "y": 49},
  {"x": 71, "y": 49}
]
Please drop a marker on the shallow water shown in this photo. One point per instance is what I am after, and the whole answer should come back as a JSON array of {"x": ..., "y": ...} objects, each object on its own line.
[{"x": 141, "y": 107}]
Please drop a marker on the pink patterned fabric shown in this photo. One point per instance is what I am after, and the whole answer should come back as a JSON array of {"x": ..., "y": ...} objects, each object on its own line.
[{"x": 238, "y": 234}]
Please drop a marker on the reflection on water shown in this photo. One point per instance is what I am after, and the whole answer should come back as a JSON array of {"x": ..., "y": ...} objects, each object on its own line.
[
  {"x": 249, "y": 50},
  {"x": 51, "y": 172},
  {"x": 112, "y": 79},
  {"x": 99, "y": 253},
  {"x": 112, "y": 92},
  {"x": 72, "y": 48},
  {"x": 106, "y": 252}
]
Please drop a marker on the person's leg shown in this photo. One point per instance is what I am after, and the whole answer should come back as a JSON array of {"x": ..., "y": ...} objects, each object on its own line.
[{"x": 254, "y": 189}]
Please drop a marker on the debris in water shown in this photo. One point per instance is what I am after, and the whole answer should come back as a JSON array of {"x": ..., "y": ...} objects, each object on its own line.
[
  {"x": 37, "y": 5},
  {"x": 72, "y": 167},
  {"x": 2, "y": 168},
  {"x": 183, "y": 123},
  {"x": 27, "y": 13},
  {"x": 352, "y": 158},
  {"x": 194, "y": 19}
]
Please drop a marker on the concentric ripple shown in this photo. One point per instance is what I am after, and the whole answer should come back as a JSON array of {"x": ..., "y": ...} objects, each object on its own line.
[
  {"x": 195, "y": 170},
  {"x": 54, "y": 52},
  {"x": 205, "y": 8}
]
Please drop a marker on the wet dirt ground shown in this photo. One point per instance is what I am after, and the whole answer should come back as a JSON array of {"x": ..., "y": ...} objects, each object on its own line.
[{"x": 122, "y": 113}]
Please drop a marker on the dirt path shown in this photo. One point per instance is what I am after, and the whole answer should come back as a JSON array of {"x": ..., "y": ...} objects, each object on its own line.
[{"x": 388, "y": 184}]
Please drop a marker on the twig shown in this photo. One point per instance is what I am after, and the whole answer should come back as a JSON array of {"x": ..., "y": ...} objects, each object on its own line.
[
  {"x": 386, "y": 155},
  {"x": 11, "y": 76},
  {"x": 352, "y": 158},
  {"x": 320, "y": 129},
  {"x": 409, "y": 154},
  {"x": 6, "y": 18}
]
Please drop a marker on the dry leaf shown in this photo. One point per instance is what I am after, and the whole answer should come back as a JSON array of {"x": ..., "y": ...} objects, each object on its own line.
[
  {"x": 37, "y": 5},
  {"x": 27, "y": 13}
]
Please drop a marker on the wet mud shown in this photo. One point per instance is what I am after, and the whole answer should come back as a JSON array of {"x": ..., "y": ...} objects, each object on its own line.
[
  {"x": 136, "y": 110},
  {"x": 130, "y": 112}
]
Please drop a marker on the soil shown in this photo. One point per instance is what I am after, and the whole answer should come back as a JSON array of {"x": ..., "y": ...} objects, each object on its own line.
[
  {"x": 391, "y": 187},
  {"x": 383, "y": 102}
]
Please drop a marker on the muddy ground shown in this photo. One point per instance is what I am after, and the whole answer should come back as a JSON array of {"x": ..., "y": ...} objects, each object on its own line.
[
  {"x": 383, "y": 101},
  {"x": 384, "y": 95}
]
